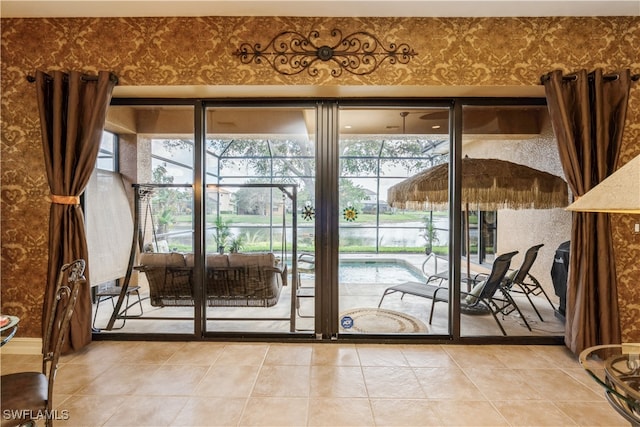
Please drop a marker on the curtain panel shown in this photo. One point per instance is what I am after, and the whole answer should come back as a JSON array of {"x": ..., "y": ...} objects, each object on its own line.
[
  {"x": 588, "y": 111},
  {"x": 72, "y": 108}
]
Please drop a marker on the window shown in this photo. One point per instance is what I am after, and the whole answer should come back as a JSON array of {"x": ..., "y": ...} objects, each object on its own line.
[{"x": 107, "y": 159}]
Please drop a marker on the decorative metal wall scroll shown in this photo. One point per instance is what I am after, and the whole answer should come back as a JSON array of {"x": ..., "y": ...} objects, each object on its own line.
[{"x": 291, "y": 52}]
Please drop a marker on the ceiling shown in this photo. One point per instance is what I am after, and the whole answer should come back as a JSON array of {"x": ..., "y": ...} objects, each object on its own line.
[{"x": 317, "y": 8}]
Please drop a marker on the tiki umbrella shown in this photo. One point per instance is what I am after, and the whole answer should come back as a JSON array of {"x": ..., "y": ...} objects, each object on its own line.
[{"x": 491, "y": 184}]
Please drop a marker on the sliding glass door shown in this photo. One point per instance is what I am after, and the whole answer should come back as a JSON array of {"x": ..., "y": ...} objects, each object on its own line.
[
  {"x": 391, "y": 244},
  {"x": 259, "y": 219},
  {"x": 511, "y": 223},
  {"x": 329, "y": 219},
  {"x": 155, "y": 294}
]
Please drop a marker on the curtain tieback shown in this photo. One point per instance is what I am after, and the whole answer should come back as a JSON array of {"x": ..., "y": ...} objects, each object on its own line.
[{"x": 65, "y": 200}]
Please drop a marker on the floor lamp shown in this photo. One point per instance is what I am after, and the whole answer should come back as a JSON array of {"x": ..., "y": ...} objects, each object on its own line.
[{"x": 617, "y": 366}]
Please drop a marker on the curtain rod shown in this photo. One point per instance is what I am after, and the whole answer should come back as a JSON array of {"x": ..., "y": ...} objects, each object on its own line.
[
  {"x": 573, "y": 77},
  {"x": 113, "y": 77}
]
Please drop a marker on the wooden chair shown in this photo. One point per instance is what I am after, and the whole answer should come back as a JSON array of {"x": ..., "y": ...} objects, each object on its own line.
[{"x": 27, "y": 396}]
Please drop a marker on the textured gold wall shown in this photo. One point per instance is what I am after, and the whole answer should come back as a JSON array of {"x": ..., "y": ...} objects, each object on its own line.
[{"x": 199, "y": 51}]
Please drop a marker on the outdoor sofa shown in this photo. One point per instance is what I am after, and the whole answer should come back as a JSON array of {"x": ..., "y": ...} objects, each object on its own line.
[{"x": 232, "y": 280}]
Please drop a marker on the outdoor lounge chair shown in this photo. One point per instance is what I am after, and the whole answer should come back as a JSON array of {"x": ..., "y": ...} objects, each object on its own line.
[
  {"x": 523, "y": 282},
  {"x": 483, "y": 298}
]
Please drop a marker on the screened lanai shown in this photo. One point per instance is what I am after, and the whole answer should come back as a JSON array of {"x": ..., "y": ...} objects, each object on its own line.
[{"x": 262, "y": 216}]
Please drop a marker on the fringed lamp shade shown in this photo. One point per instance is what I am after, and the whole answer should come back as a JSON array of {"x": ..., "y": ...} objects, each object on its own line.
[{"x": 489, "y": 184}]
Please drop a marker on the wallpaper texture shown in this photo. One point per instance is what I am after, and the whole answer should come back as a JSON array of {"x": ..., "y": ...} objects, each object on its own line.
[{"x": 200, "y": 51}]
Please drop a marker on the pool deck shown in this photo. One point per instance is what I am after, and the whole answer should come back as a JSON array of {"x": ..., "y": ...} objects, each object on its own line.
[{"x": 352, "y": 295}]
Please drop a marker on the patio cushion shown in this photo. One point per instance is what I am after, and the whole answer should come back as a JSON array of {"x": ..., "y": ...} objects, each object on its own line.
[
  {"x": 213, "y": 260},
  {"x": 472, "y": 297},
  {"x": 240, "y": 280},
  {"x": 259, "y": 260}
]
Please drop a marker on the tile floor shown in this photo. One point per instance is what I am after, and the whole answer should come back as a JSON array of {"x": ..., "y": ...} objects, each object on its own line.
[{"x": 112, "y": 383}]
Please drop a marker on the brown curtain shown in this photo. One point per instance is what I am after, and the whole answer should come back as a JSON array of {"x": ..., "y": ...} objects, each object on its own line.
[
  {"x": 588, "y": 111},
  {"x": 72, "y": 113}
]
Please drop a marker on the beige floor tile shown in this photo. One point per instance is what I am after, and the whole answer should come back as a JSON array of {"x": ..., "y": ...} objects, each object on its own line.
[
  {"x": 381, "y": 355},
  {"x": 270, "y": 384},
  {"x": 335, "y": 354},
  {"x": 337, "y": 381},
  {"x": 104, "y": 352},
  {"x": 405, "y": 412},
  {"x": 282, "y": 381},
  {"x": 71, "y": 377},
  {"x": 242, "y": 354},
  {"x": 501, "y": 384},
  {"x": 86, "y": 411},
  {"x": 139, "y": 411},
  {"x": 333, "y": 412},
  {"x": 392, "y": 382},
  {"x": 210, "y": 411},
  {"x": 468, "y": 413},
  {"x": 289, "y": 354},
  {"x": 533, "y": 413},
  {"x": 557, "y": 385},
  {"x": 447, "y": 383},
  {"x": 59, "y": 399},
  {"x": 197, "y": 353},
  {"x": 592, "y": 414},
  {"x": 474, "y": 356},
  {"x": 581, "y": 375},
  {"x": 228, "y": 381},
  {"x": 154, "y": 352},
  {"x": 558, "y": 356},
  {"x": 520, "y": 356},
  {"x": 172, "y": 380},
  {"x": 275, "y": 411},
  {"x": 119, "y": 379},
  {"x": 427, "y": 356}
]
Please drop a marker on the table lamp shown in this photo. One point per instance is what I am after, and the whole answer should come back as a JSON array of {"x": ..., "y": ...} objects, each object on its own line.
[{"x": 618, "y": 193}]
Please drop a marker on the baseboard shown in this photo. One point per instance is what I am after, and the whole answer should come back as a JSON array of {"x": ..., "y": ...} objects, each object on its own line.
[{"x": 22, "y": 346}]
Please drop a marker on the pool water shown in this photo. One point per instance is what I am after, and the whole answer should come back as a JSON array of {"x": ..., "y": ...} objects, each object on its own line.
[{"x": 377, "y": 272}]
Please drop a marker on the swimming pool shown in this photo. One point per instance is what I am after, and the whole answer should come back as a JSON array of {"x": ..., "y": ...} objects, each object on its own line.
[{"x": 358, "y": 271}]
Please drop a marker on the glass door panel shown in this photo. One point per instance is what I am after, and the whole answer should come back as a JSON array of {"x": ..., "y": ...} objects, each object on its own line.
[
  {"x": 389, "y": 251},
  {"x": 260, "y": 203},
  {"x": 508, "y": 218},
  {"x": 156, "y": 147}
]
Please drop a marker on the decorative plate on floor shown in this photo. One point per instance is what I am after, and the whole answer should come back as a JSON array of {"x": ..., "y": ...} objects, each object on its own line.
[{"x": 381, "y": 321}]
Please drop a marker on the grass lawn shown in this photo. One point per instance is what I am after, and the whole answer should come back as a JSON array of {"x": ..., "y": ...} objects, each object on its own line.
[{"x": 386, "y": 218}]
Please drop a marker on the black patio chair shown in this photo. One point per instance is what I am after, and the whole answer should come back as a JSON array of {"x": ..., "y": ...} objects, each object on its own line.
[
  {"x": 306, "y": 264},
  {"x": 524, "y": 283},
  {"x": 482, "y": 299}
]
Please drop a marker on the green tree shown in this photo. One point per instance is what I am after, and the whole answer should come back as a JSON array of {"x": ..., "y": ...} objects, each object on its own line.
[
  {"x": 223, "y": 233},
  {"x": 351, "y": 194},
  {"x": 253, "y": 200},
  {"x": 293, "y": 160},
  {"x": 167, "y": 202},
  {"x": 429, "y": 233}
]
